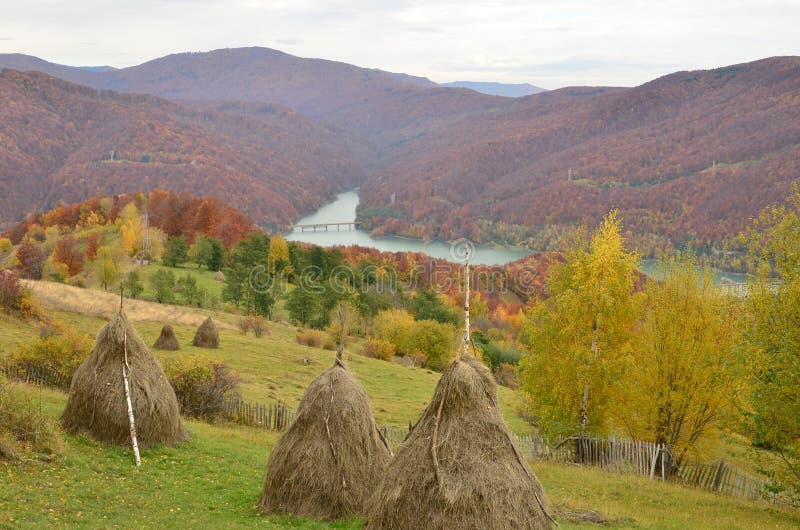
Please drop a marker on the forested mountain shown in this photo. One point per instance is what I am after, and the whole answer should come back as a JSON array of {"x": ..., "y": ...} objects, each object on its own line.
[
  {"x": 65, "y": 142},
  {"x": 689, "y": 156},
  {"x": 383, "y": 106},
  {"x": 509, "y": 90}
]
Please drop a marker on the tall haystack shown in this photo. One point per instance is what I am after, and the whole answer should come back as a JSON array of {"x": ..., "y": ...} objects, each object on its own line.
[
  {"x": 207, "y": 335},
  {"x": 331, "y": 457},
  {"x": 97, "y": 402},
  {"x": 167, "y": 340},
  {"x": 459, "y": 468}
]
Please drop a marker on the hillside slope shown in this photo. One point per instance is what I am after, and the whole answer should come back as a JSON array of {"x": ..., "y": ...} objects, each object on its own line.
[
  {"x": 65, "y": 142},
  {"x": 510, "y": 90},
  {"x": 687, "y": 156},
  {"x": 384, "y": 107}
]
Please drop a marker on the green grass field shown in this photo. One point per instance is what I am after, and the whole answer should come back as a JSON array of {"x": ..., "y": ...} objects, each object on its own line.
[{"x": 214, "y": 480}]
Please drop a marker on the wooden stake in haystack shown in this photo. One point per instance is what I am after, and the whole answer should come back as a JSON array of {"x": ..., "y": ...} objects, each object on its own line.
[
  {"x": 467, "y": 335},
  {"x": 333, "y": 455},
  {"x": 139, "y": 411},
  {"x": 126, "y": 368},
  {"x": 459, "y": 468}
]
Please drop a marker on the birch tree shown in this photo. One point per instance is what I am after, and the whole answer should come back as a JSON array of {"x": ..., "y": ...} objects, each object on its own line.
[{"x": 579, "y": 336}]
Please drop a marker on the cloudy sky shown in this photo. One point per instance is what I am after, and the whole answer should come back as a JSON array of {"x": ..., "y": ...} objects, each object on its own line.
[{"x": 550, "y": 43}]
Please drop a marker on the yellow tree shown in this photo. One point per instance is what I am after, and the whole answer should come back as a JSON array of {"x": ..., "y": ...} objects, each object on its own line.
[
  {"x": 278, "y": 253},
  {"x": 579, "y": 336},
  {"x": 684, "y": 371},
  {"x": 131, "y": 230},
  {"x": 772, "y": 332},
  {"x": 108, "y": 266}
]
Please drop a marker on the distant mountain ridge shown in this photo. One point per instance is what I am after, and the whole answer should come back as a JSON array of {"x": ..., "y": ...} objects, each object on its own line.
[
  {"x": 510, "y": 90},
  {"x": 688, "y": 157},
  {"x": 66, "y": 142}
]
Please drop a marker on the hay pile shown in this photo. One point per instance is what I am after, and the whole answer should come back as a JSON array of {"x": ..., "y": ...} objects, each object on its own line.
[
  {"x": 458, "y": 468},
  {"x": 167, "y": 340},
  {"x": 97, "y": 404},
  {"x": 331, "y": 457},
  {"x": 207, "y": 335}
]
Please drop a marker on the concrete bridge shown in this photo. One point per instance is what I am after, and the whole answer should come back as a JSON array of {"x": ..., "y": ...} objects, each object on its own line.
[{"x": 325, "y": 227}]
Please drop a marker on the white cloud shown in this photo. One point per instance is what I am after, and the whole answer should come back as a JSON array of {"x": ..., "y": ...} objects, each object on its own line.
[{"x": 549, "y": 43}]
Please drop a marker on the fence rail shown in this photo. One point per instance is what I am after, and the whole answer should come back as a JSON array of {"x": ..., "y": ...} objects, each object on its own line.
[{"x": 620, "y": 455}]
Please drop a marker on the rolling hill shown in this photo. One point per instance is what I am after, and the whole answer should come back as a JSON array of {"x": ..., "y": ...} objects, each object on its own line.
[
  {"x": 64, "y": 142},
  {"x": 385, "y": 107},
  {"x": 688, "y": 157},
  {"x": 509, "y": 90}
]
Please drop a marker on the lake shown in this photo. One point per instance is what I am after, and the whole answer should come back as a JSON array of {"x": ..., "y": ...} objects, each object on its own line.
[{"x": 343, "y": 210}]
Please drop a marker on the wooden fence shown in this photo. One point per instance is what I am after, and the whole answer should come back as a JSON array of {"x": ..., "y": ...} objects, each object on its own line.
[
  {"x": 722, "y": 478},
  {"x": 625, "y": 456},
  {"x": 273, "y": 416},
  {"x": 37, "y": 376},
  {"x": 628, "y": 456}
]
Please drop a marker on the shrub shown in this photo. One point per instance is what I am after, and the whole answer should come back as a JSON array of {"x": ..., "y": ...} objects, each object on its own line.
[
  {"x": 133, "y": 284},
  {"x": 23, "y": 427},
  {"x": 15, "y": 299},
  {"x": 426, "y": 339},
  {"x": 310, "y": 337},
  {"x": 56, "y": 354},
  {"x": 162, "y": 282},
  {"x": 256, "y": 324},
  {"x": 201, "y": 385},
  {"x": 506, "y": 375},
  {"x": 435, "y": 341},
  {"x": 259, "y": 326},
  {"x": 328, "y": 342},
  {"x": 5, "y": 244},
  {"x": 378, "y": 349}
]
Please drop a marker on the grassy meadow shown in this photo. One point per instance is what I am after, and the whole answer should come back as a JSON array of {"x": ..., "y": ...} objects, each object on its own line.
[{"x": 214, "y": 480}]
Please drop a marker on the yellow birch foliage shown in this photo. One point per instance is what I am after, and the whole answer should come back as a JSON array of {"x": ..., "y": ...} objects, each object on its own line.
[
  {"x": 684, "y": 372},
  {"x": 578, "y": 338}
]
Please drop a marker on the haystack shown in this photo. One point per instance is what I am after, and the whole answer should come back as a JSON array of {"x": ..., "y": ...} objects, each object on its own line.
[
  {"x": 331, "y": 457},
  {"x": 167, "y": 340},
  {"x": 207, "y": 335},
  {"x": 97, "y": 403},
  {"x": 459, "y": 468}
]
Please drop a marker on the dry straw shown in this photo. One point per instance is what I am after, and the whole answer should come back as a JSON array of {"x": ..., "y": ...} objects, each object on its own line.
[
  {"x": 459, "y": 468},
  {"x": 207, "y": 335},
  {"x": 167, "y": 340},
  {"x": 97, "y": 402},
  {"x": 332, "y": 456}
]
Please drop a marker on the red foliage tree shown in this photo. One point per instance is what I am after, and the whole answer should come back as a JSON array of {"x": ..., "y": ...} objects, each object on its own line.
[
  {"x": 31, "y": 260},
  {"x": 67, "y": 252},
  {"x": 93, "y": 242}
]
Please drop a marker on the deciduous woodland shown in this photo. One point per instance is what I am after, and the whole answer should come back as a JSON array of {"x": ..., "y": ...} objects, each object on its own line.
[
  {"x": 157, "y": 196},
  {"x": 688, "y": 158}
]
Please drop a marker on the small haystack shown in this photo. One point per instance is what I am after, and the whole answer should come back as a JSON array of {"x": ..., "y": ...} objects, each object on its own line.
[
  {"x": 97, "y": 402},
  {"x": 219, "y": 276},
  {"x": 207, "y": 335},
  {"x": 459, "y": 468},
  {"x": 167, "y": 340},
  {"x": 332, "y": 456}
]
